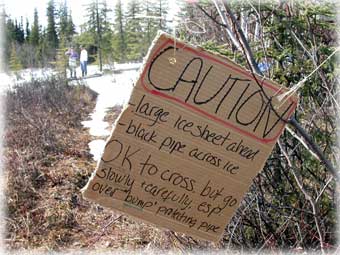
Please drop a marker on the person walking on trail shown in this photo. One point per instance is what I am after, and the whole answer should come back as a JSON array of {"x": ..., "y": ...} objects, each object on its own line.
[
  {"x": 72, "y": 61},
  {"x": 83, "y": 61}
]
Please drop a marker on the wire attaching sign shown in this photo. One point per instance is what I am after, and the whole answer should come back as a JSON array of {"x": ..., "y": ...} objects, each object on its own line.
[{"x": 195, "y": 133}]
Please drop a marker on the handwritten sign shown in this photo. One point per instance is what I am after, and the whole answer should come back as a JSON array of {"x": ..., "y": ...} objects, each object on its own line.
[{"x": 193, "y": 136}]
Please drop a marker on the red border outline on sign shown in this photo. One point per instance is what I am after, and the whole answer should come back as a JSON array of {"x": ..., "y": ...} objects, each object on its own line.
[{"x": 225, "y": 123}]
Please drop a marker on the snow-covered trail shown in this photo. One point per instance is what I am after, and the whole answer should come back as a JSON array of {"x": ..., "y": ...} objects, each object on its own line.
[{"x": 112, "y": 90}]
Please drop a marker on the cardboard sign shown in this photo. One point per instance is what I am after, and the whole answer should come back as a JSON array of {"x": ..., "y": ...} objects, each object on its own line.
[{"x": 193, "y": 136}]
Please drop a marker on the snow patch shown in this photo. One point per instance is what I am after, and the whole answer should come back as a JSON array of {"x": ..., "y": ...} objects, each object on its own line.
[
  {"x": 6, "y": 82},
  {"x": 96, "y": 148},
  {"x": 112, "y": 90}
]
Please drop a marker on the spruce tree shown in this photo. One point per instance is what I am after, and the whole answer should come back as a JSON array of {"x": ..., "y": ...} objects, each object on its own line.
[
  {"x": 2, "y": 40},
  {"x": 70, "y": 28},
  {"x": 28, "y": 31},
  {"x": 150, "y": 24},
  {"x": 43, "y": 52},
  {"x": 35, "y": 33},
  {"x": 9, "y": 35},
  {"x": 98, "y": 26},
  {"x": 119, "y": 43},
  {"x": 134, "y": 31},
  {"x": 19, "y": 33},
  {"x": 14, "y": 60},
  {"x": 10, "y": 32},
  {"x": 63, "y": 20},
  {"x": 66, "y": 28},
  {"x": 61, "y": 58},
  {"x": 162, "y": 10},
  {"x": 51, "y": 33}
]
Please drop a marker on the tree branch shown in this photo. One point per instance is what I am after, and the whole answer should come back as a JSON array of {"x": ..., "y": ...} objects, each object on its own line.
[
  {"x": 308, "y": 197},
  {"x": 248, "y": 51},
  {"x": 227, "y": 26},
  {"x": 314, "y": 147},
  {"x": 250, "y": 57}
]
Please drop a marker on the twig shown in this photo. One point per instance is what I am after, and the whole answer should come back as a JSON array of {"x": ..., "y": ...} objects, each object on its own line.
[
  {"x": 28, "y": 120},
  {"x": 259, "y": 215},
  {"x": 314, "y": 147},
  {"x": 261, "y": 33},
  {"x": 178, "y": 239},
  {"x": 277, "y": 231},
  {"x": 320, "y": 72},
  {"x": 248, "y": 51},
  {"x": 323, "y": 189},
  {"x": 105, "y": 227},
  {"x": 308, "y": 197},
  {"x": 238, "y": 220},
  {"x": 249, "y": 55},
  {"x": 295, "y": 135},
  {"x": 226, "y": 25}
]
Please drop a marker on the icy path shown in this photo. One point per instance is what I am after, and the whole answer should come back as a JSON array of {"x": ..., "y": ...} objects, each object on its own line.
[
  {"x": 8, "y": 80},
  {"x": 112, "y": 90}
]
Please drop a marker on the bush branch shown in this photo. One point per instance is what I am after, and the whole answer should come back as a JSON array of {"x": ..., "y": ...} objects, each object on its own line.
[{"x": 313, "y": 147}]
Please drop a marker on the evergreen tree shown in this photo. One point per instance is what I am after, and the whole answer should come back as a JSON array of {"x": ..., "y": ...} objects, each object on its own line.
[
  {"x": 118, "y": 42},
  {"x": 162, "y": 11},
  {"x": 19, "y": 34},
  {"x": 35, "y": 33},
  {"x": 106, "y": 33},
  {"x": 9, "y": 35},
  {"x": 14, "y": 60},
  {"x": 43, "y": 51},
  {"x": 61, "y": 58},
  {"x": 21, "y": 31},
  {"x": 66, "y": 28},
  {"x": 10, "y": 31},
  {"x": 150, "y": 22},
  {"x": 156, "y": 13},
  {"x": 3, "y": 40},
  {"x": 70, "y": 28},
  {"x": 51, "y": 32},
  {"x": 63, "y": 20},
  {"x": 134, "y": 33},
  {"x": 28, "y": 31},
  {"x": 98, "y": 26}
]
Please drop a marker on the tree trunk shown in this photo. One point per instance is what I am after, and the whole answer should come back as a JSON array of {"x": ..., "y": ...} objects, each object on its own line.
[{"x": 99, "y": 38}]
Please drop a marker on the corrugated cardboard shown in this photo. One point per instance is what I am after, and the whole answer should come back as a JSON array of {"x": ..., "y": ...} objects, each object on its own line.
[{"x": 194, "y": 135}]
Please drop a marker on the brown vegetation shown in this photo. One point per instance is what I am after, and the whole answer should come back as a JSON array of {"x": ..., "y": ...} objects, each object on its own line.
[{"x": 46, "y": 161}]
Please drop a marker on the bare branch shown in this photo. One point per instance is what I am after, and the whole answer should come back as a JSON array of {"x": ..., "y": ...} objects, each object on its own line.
[
  {"x": 295, "y": 135},
  {"x": 250, "y": 57},
  {"x": 227, "y": 26},
  {"x": 319, "y": 71},
  {"x": 323, "y": 189},
  {"x": 308, "y": 197},
  {"x": 248, "y": 51},
  {"x": 313, "y": 146}
]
